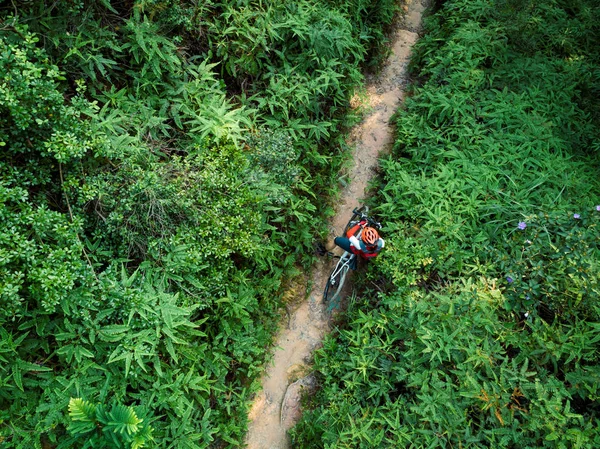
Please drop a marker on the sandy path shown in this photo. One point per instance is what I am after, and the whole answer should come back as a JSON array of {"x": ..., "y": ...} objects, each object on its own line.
[{"x": 276, "y": 409}]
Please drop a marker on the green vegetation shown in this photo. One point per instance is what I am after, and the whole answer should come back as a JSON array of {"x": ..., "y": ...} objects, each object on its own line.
[
  {"x": 479, "y": 325},
  {"x": 164, "y": 167}
]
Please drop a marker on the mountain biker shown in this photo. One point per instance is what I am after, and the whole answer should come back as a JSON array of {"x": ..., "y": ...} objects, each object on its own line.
[{"x": 369, "y": 245}]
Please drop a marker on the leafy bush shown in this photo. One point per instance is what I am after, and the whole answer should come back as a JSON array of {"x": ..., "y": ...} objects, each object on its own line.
[
  {"x": 121, "y": 425},
  {"x": 551, "y": 266},
  {"x": 41, "y": 261},
  {"x": 449, "y": 369}
]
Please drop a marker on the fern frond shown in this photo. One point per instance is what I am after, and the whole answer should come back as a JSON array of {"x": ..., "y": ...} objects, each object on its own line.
[
  {"x": 124, "y": 419},
  {"x": 83, "y": 414},
  {"x": 142, "y": 437},
  {"x": 80, "y": 410}
]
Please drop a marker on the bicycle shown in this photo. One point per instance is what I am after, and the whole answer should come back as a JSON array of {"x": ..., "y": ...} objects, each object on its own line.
[{"x": 348, "y": 260}]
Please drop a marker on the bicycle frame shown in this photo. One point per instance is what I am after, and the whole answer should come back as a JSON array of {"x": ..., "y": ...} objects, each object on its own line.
[{"x": 343, "y": 264}]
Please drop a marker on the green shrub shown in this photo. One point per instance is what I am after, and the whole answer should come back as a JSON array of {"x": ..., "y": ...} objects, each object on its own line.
[
  {"x": 120, "y": 427},
  {"x": 451, "y": 369},
  {"x": 551, "y": 264}
]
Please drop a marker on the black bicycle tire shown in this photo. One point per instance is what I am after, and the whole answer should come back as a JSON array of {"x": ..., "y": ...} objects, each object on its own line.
[
  {"x": 338, "y": 289},
  {"x": 328, "y": 288},
  {"x": 341, "y": 285}
]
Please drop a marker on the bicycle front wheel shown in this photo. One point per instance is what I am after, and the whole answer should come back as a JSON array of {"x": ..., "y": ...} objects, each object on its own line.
[{"x": 335, "y": 282}]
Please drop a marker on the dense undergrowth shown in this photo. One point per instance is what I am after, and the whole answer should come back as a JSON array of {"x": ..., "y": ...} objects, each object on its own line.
[
  {"x": 164, "y": 167},
  {"x": 479, "y": 325}
]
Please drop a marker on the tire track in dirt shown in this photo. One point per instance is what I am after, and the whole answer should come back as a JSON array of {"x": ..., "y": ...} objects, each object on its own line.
[{"x": 277, "y": 407}]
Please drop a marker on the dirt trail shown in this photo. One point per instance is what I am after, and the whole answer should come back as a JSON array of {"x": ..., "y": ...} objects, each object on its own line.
[{"x": 276, "y": 409}]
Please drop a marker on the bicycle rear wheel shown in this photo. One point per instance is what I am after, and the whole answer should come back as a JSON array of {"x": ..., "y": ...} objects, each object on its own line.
[{"x": 335, "y": 281}]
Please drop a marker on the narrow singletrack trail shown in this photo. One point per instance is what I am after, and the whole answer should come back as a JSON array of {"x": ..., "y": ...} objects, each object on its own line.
[{"x": 277, "y": 407}]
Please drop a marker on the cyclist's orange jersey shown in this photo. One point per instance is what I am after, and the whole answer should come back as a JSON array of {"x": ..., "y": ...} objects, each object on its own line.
[{"x": 359, "y": 247}]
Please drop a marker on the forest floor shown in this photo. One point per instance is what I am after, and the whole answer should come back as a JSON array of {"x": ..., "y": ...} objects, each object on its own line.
[{"x": 277, "y": 407}]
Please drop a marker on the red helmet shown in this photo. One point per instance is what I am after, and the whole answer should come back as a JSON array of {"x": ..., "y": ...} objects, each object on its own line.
[{"x": 370, "y": 236}]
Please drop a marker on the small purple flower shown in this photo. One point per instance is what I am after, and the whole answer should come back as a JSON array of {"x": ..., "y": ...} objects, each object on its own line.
[
  {"x": 522, "y": 225},
  {"x": 576, "y": 216},
  {"x": 509, "y": 279},
  {"x": 598, "y": 207}
]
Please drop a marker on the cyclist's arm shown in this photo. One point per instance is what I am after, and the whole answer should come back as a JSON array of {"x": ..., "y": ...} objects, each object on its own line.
[
  {"x": 354, "y": 229},
  {"x": 354, "y": 242}
]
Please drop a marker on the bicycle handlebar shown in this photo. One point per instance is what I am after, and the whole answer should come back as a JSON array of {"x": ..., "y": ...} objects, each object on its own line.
[{"x": 369, "y": 220}]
